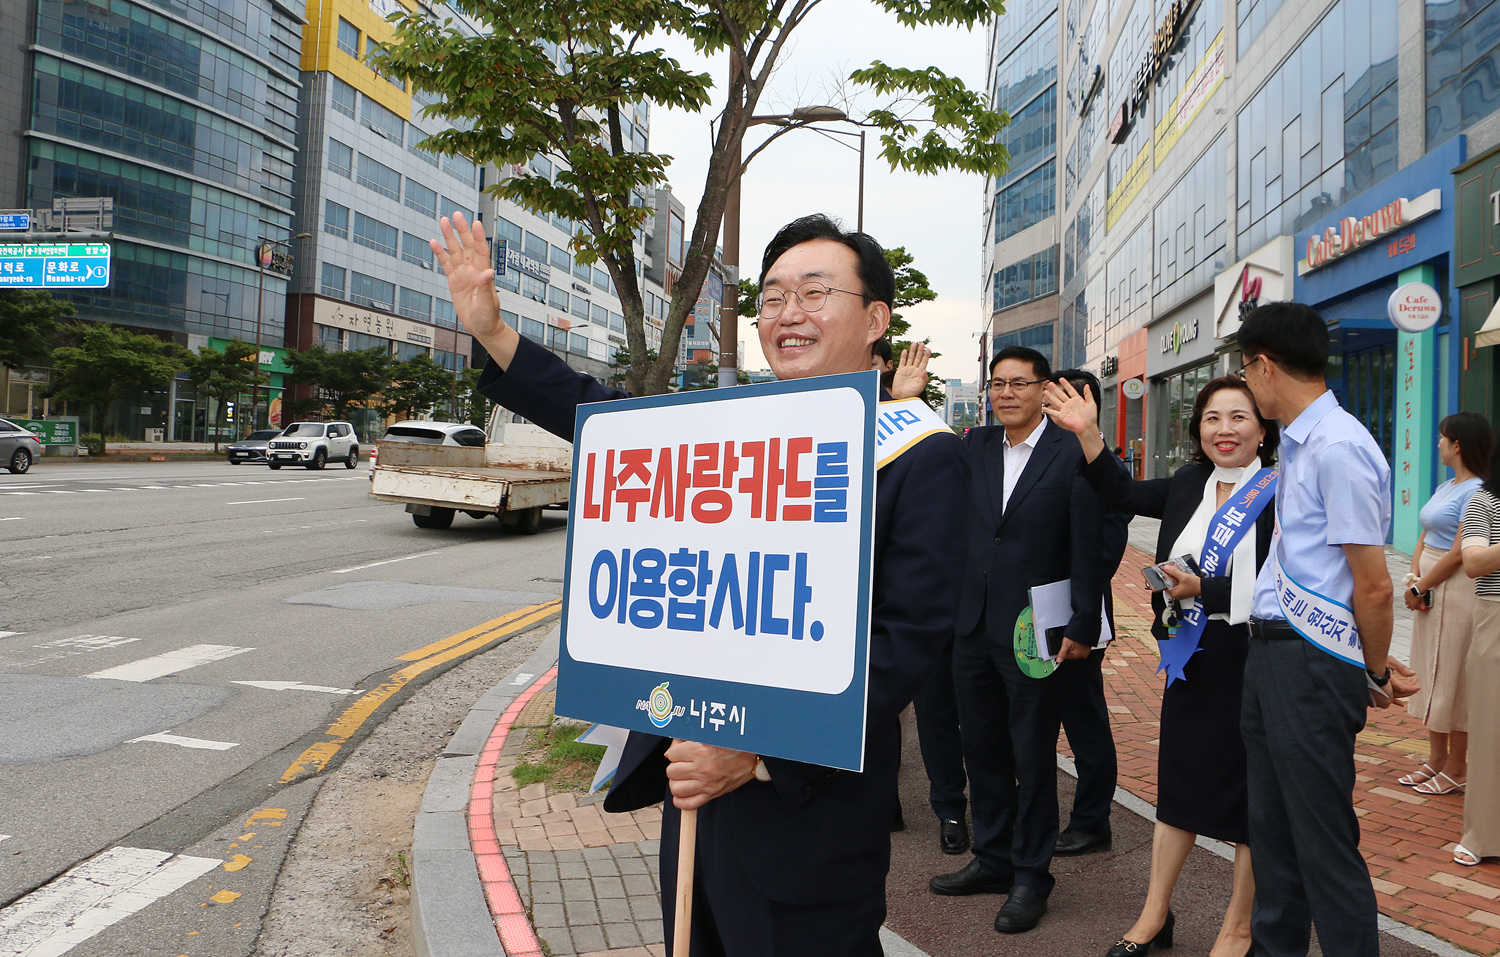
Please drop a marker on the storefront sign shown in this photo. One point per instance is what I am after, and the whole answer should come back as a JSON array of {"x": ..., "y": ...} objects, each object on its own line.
[
  {"x": 1262, "y": 276},
  {"x": 1415, "y": 307},
  {"x": 1150, "y": 68},
  {"x": 1108, "y": 366},
  {"x": 1172, "y": 339},
  {"x": 1133, "y": 388},
  {"x": 1090, "y": 89},
  {"x": 1354, "y": 233},
  {"x": 344, "y": 315},
  {"x": 1416, "y": 425},
  {"x": 509, "y": 257},
  {"x": 52, "y": 431}
]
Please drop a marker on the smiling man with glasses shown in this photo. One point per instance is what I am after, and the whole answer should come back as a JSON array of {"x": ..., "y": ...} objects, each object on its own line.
[
  {"x": 1033, "y": 521},
  {"x": 792, "y": 857}
]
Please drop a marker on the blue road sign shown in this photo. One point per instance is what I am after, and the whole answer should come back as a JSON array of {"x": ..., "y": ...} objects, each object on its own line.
[
  {"x": 54, "y": 265},
  {"x": 21, "y": 221}
]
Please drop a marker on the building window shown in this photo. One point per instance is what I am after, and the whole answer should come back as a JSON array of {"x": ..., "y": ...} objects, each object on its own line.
[
  {"x": 417, "y": 136},
  {"x": 416, "y": 305},
  {"x": 533, "y": 330},
  {"x": 561, "y": 260},
  {"x": 1190, "y": 231},
  {"x": 676, "y": 251},
  {"x": 601, "y": 280},
  {"x": 448, "y": 207},
  {"x": 598, "y": 315},
  {"x": 348, "y": 38},
  {"x": 536, "y": 247},
  {"x": 333, "y": 280},
  {"x": 509, "y": 279},
  {"x": 578, "y": 345},
  {"x": 422, "y": 199},
  {"x": 509, "y": 232},
  {"x": 415, "y": 250},
  {"x": 381, "y": 120},
  {"x": 375, "y": 234},
  {"x": 557, "y": 298},
  {"x": 1463, "y": 60},
  {"x": 340, "y": 158},
  {"x": 533, "y": 288},
  {"x": 616, "y": 322},
  {"x": 335, "y": 219},
  {"x": 580, "y": 307},
  {"x": 558, "y": 338},
  {"x": 358, "y": 341},
  {"x": 372, "y": 292},
  {"x": 443, "y": 314},
  {"x": 1031, "y": 278},
  {"x": 373, "y": 53},
  {"x": 344, "y": 97},
  {"x": 379, "y": 177},
  {"x": 330, "y": 338},
  {"x": 1026, "y": 202},
  {"x": 460, "y": 168}
]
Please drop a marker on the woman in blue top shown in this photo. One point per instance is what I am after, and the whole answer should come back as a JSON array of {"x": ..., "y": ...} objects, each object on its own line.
[{"x": 1441, "y": 629}]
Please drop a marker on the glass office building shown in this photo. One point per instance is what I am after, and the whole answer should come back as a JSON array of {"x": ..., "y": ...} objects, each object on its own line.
[{"x": 185, "y": 114}]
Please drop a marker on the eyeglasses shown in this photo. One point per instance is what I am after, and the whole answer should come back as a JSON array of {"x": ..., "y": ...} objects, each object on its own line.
[
  {"x": 1015, "y": 385},
  {"x": 1243, "y": 370},
  {"x": 810, "y": 296}
]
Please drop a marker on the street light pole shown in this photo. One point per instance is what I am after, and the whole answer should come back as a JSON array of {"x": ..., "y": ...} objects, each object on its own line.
[{"x": 729, "y": 313}]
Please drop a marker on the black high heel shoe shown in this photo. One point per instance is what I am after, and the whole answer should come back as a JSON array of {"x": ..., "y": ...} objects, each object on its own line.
[{"x": 1162, "y": 941}]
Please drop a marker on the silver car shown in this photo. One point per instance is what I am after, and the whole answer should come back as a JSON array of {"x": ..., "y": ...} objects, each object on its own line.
[
  {"x": 18, "y": 447},
  {"x": 252, "y": 448}
]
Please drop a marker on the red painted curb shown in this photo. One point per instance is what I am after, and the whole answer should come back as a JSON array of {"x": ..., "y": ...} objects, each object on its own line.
[{"x": 515, "y": 931}]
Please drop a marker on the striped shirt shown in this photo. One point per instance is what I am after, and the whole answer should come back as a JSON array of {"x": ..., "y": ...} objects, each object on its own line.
[{"x": 1481, "y": 529}]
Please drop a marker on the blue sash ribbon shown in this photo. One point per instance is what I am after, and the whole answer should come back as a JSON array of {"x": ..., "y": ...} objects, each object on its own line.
[{"x": 1225, "y": 531}]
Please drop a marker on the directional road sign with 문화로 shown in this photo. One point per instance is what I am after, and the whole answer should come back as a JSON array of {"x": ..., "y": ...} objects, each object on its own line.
[{"x": 54, "y": 265}]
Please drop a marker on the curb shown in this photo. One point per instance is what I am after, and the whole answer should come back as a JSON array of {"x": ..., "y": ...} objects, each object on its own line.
[{"x": 450, "y": 915}]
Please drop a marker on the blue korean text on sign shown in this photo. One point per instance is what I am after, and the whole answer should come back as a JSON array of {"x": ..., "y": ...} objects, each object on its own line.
[
  {"x": 54, "y": 265},
  {"x": 719, "y": 567},
  {"x": 17, "y": 221}
]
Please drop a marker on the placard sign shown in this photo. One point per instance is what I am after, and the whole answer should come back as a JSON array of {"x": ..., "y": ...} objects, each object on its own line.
[
  {"x": 1414, "y": 307},
  {"x": 719, "y": 563}
]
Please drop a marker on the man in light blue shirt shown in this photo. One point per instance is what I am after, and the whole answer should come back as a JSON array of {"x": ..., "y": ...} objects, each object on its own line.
[{"x": 1320, "y": 633}]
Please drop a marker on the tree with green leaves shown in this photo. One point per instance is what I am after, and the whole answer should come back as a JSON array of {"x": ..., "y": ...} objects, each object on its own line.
[
  {"x": 101, "y": 363},
  {"x": 28, "y": 324},
  {"x": 223, "y": 376},
  {"x": 417, "y": 385},
  {"x": 467, "y": 404},
  {"x": 340, "y": 381},
  {"x": 558, "y": 78}
]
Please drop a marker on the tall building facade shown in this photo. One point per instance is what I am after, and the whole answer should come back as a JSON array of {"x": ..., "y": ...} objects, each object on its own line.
[
  {"x": 1215, "y": 154},
  {"x": 369, "y": 198},
  {"x": 185, "y": 114}
]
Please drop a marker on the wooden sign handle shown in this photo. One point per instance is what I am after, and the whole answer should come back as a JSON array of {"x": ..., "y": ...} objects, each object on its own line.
[{"x": 687, "y": 852}]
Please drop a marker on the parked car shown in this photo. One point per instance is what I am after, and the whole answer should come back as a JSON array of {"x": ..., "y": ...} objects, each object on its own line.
[
  {"x": 313, "y": 444},
  {"x": 252, "y": 448},
  {"x": 19, "y": 448},
  {"x": 428, "y": 433}
]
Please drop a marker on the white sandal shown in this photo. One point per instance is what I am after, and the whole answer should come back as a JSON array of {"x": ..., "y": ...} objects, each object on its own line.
[
  {"x": 1412, "y": 780},
  {"x": 1434, "y": 785},
  {"x": 1473, "y": 860}
]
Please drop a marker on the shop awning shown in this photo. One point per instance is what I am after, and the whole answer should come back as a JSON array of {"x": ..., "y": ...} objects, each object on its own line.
[{"x": 1489, "y": 333}]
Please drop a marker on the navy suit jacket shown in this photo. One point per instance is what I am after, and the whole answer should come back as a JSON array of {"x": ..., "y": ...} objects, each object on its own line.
[
  {"x": 812, "y": 835},
  {"x": 1053, "y": 529}
]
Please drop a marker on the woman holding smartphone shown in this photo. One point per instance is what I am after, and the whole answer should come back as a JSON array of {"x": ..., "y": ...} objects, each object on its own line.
[
  {"x": 1218, "y": 509},
  {"x": 1443, "y": 608}
]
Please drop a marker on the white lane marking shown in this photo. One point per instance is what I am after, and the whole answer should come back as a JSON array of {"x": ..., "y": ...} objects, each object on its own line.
[
  {"x": 263, "y": 501},
  {"x": 14, "y": 518},
  {"x": 20, "y": 493},
  {"x": 11, "y": 634},
  {"x": 88, "y": 642},
  {"x": 183, "y": 742},
  {"x": 173, "y": 661},
  {"x": 4, "y": 837},
  {"x": 296, "y": 686},
  {"x": 33, "y": 485},
  {"x": 388, "y": 561},
  {"x": 61, "y": 491},
  {"x": 93, "y": 896}
]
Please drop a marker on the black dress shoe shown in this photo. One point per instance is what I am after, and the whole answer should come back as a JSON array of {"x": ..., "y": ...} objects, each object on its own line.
[
  {"x": 1071, "y": 843},
  {"x": 1023, "y": 910},
  {"x": 973, "y": 879},
  {"x": 1162, "y": 941},
  {"x": 953, "y": 836}
]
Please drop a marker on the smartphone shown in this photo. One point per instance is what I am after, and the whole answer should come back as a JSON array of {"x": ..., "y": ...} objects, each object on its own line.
[{"x": 1158, "y": 580}]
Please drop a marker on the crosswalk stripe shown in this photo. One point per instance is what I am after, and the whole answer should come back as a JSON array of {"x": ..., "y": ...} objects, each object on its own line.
[
  {"x": 181, "y": 741},
  {"x": 172, "y": 662}
]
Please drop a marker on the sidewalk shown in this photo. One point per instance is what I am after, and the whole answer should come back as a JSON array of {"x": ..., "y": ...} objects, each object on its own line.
[{"x": 506, "y": 871}]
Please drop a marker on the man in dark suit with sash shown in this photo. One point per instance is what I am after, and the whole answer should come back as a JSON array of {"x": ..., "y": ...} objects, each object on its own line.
[
  {"x": 1033, "y": 521},
  {"x": 792, "y": 857}
]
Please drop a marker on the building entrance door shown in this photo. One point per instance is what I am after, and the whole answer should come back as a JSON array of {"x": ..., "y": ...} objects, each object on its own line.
[
  {"x": 182, "y": 421},
  {"x": 1370, "y": 392}
]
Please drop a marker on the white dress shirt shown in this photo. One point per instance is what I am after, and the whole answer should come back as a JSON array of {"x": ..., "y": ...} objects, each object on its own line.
[{"x": 1016, "y": 457}]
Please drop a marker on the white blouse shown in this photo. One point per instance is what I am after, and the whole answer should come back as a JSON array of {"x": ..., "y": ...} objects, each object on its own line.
[{"x": 1195, "y": 533}]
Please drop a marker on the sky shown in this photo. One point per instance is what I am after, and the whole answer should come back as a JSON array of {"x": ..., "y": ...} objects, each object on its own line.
[{"x": 937, "y": 218}]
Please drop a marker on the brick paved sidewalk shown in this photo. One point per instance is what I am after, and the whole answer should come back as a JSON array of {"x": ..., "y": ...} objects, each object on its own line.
[{"x": 1407, "y": 838}]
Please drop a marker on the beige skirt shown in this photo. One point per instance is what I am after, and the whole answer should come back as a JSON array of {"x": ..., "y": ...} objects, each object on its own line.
[
  {"x": 1439, "y": 644},
  {"x": 1482, "y": 797}
]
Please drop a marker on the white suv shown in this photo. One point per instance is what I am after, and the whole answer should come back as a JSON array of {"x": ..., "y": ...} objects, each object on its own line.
[{"x": 312, "y": 444}]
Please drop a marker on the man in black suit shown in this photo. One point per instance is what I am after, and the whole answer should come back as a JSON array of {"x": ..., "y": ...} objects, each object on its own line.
[
  {"x": 1033, "y": 521},
  {"x": 792, "y": 857},
  {"x": 1085, "y": 716}
]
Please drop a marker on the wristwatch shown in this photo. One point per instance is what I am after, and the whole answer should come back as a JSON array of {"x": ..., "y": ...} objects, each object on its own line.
[
  {"x": 1416, "y": 591},
  {"x": 1381, "y": 680},
  {"x": 762, "y": 773}
]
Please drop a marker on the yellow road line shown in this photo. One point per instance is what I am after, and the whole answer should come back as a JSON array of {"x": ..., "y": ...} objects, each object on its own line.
[{"x": 316, "y": 758}]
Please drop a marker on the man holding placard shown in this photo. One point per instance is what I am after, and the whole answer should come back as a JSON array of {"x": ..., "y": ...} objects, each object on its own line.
[{"x": 791, "y": 857}]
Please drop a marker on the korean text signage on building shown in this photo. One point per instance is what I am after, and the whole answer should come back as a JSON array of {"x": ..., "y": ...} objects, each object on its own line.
[
  {"x": 1353, "y": 233},
  {"x": 52, "y": 431},
  {"x": 719, "y": 560},
  {"x": 509, "y": 257},
  {"x": 344, "y": 315},
  {"x": 54, "y": 265},
  {"x": 1150, "y": 68}
]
